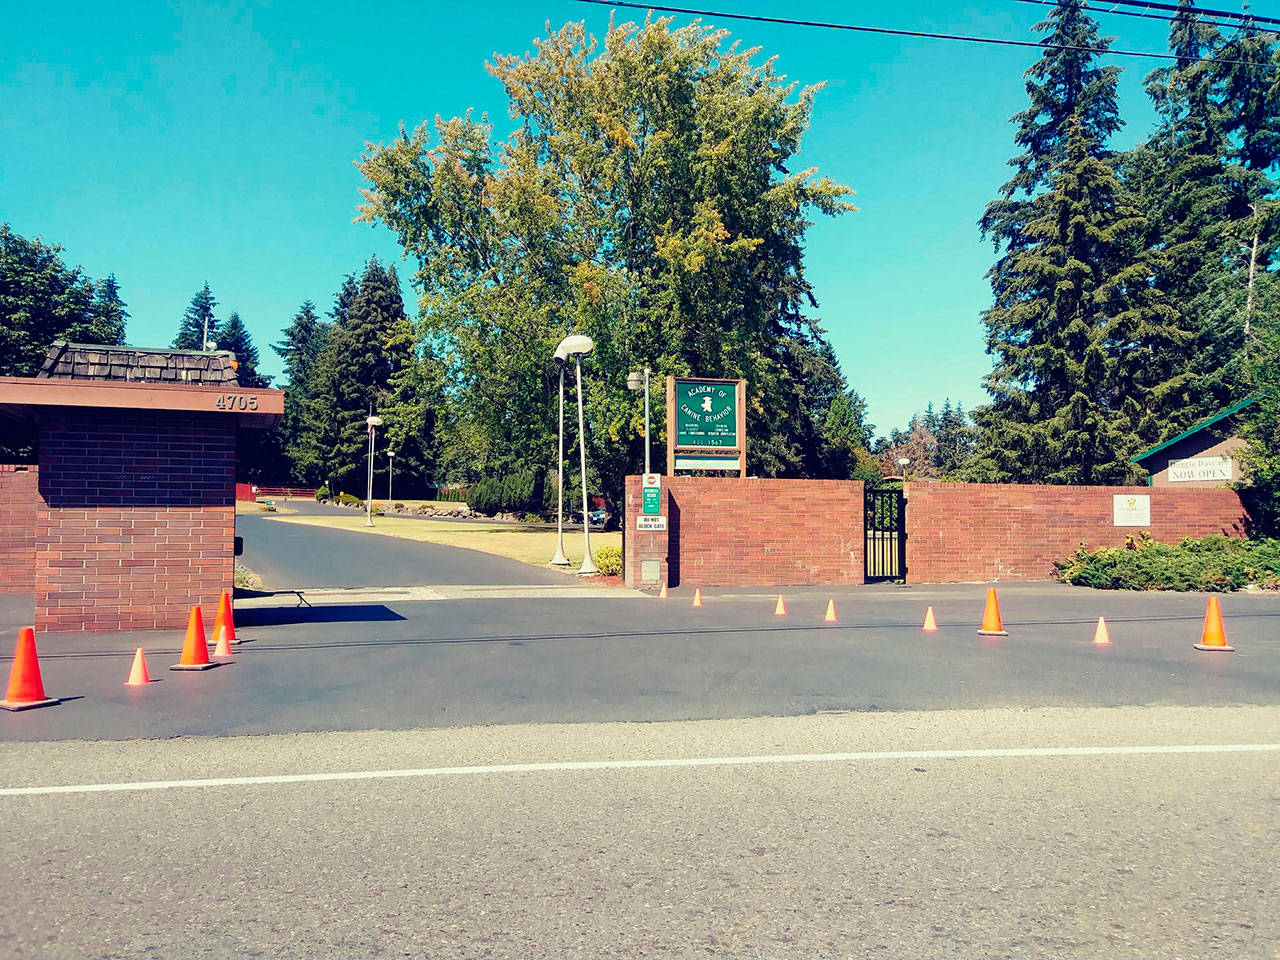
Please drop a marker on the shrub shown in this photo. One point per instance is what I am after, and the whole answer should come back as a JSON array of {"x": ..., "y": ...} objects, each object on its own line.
[
  {"x": 323, "y": 493},
  {"x": 609, "y": 561},
  {"x": 399, "y": 506},
  {"x": 348, "y": 500},
  {"x": 1214, "y": 563}
]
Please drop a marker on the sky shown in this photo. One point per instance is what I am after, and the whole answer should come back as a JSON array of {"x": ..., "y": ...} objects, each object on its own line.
[{"x": 174, "y": 144}]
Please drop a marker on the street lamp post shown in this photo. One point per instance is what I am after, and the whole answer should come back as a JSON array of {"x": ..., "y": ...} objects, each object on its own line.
[
  {"x": 373, "y": 423},
  {"x": 903, "y": 462},
  {"x": 640, "y": 381},
  {"x": 391, "y": 465},
  {"x": 574, "y": 346}
]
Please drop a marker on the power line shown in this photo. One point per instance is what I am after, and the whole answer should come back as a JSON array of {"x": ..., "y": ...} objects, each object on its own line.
[
  {"x": 919, "y": 34},
  {"x": 1153, "y": 16},
  {"x": 1173, "y": 8}
]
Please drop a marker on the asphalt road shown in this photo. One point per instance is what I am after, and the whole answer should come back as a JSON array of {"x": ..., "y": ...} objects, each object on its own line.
[
  {"x": 288, "y": 555},
  {"x": 1141, "y": 854},
  {"x": 509, "y": 661}
]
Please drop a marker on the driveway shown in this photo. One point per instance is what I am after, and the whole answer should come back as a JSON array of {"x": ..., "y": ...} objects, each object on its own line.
[{"x": 289, "y": 555}]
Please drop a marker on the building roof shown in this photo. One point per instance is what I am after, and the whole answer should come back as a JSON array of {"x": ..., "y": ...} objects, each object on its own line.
[
  {"x": 87, "y": 361},
  {"x": 1202, "y": 425}
]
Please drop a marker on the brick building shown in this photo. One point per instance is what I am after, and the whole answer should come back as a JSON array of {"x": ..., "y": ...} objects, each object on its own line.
[{"x": 129, "y": 516}]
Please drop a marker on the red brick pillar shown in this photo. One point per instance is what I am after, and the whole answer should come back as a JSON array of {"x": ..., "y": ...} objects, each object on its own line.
[
  {"x": 645, "y": 548},
  {"x": 138, "y": 518},
  {"x": 19, "y": 502}
]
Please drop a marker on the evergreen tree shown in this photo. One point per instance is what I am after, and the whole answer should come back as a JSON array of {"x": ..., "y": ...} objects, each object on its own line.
[
  {"x": 1185, "y": 190},
  {"x": 43, "y": 300},
  {"x": 1072, "y": 288},
  {"x": 108, "y": 310},
  {"x": 300, "y": 347},
  {"x": 233, "y": 335},
  {"x": 1065, "y": 85},
  {"x": 351, "y": 376},
  {"x": 197, "y": 321}
]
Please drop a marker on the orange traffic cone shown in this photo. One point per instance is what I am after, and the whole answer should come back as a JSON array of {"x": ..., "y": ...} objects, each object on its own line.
[
  {"x": 662, "y": 594},
  {"x": 195, "y": 652},
  {"x": 831, "y": 612},
  {"x": 697, "y": 596},
  {"x": 1213, "y": 637},
  {"x": 780, "y": 609},
  {"x": 138, "y": 676},
  {"x": 930, "y": 624},
  {"x": 1101, "y": 636},
  {"x": 224, "y": 622},
  {"x": 26, "y": 687},
  {"x": 992, "y": 625}
]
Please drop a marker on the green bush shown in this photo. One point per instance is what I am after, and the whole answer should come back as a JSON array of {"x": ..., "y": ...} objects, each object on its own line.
[
  {"x": 609, "y": 561},
  {"x": 348, "y": 500},
  {"x": 517, "y": 492},
  {"x": 323, "y": 493},
  {"x": 1215, "y": 563}
]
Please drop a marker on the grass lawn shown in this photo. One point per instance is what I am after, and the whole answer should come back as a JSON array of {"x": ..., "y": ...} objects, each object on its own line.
[{"x": 530, "y": 544}]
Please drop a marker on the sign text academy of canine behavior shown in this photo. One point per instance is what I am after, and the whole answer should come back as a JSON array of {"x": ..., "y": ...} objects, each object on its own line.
[{"x": 706, "y": 423}]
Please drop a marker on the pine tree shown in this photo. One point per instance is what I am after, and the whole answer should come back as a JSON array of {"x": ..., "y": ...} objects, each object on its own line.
[
  {"x": 108, "y": 310},
  {"x": 351, "y": 376},
  {"x": 198, "y": 322},
  {"x": 233, "y": 335},
  {"x": 1071, "y": 289},
  {"x": 1065, "y": 85}
]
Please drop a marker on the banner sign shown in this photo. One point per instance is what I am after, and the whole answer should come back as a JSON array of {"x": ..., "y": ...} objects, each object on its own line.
[
  {"x": 1200, "y": 468},
  {"x": 706, "y": 424},
  {"x": 706, "y": 413}
]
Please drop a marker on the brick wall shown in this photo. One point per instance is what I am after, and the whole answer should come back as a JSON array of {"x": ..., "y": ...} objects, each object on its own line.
[
  {"x": 781, "y": 532},
  {"x": 19, "y": 500},
  {"x": 137, "y": 521},
  {"x": 729, "y": 531},
  {"x": 960, "y": 532}
]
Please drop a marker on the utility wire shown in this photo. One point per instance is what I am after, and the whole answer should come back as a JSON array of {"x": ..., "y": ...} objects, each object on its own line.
[
  {"x": 920, "y": 34},
  {"x": 1154, "y": 16},
  {"x": 1203, "y": 11}
]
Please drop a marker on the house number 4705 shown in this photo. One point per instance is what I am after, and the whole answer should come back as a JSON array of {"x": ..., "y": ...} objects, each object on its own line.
[{"x": 236, "y": 401}]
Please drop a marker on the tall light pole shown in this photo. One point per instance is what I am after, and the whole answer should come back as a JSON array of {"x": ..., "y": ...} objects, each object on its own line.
[
  {"x": 640, "y": 381},
  {"x": 373, "y": 423},
  {"x": 575, "y": 346},
  {"x": 391, "y": 469}
]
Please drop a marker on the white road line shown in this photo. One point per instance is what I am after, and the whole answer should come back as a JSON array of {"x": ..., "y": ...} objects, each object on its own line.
[{"x": 568, "y": 765}]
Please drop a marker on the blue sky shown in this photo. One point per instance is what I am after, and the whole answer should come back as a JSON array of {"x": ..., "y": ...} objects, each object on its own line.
[{"x": 177, "y": 143}]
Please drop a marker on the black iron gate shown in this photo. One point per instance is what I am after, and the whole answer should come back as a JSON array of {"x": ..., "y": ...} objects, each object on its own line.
[{"x": 886, "y": 533}]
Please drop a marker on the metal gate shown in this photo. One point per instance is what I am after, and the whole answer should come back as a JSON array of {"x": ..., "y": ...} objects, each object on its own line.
[{"x": 886, "y": 535}]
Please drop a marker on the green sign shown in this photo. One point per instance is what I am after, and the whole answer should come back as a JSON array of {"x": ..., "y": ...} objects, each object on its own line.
[
  {"x": 651, "y": 495},
  {"x": 706, "y": 413}
]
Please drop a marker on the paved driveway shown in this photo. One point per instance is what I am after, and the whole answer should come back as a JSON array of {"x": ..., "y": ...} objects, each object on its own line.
[{"x": 290, "y": 555}]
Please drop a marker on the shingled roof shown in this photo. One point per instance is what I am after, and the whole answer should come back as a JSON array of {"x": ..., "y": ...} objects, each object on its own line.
[{"x": 87, "y": 361}]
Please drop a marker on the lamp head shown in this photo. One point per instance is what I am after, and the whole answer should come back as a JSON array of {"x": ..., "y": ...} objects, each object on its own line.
[
  {"x": 635, "y": 381},
  {"x": 575, "y": 345}
]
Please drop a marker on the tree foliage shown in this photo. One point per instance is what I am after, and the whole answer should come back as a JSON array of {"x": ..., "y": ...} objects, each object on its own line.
[
  {"x": 43, "y": 300},
  {"x": 644, "y": 199},
  {"x": 198, "y": 321}
]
